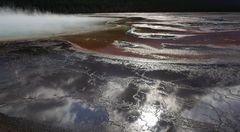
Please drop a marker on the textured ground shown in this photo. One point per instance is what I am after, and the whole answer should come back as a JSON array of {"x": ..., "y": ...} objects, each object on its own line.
[{"x": 148, "y": 84}]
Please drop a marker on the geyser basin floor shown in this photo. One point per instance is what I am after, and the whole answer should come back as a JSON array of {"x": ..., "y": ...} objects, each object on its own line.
[
  {"x": 190, "y": 37},
  {"x": 52, "y": 86},
  {"x": 148, "y": 77}
]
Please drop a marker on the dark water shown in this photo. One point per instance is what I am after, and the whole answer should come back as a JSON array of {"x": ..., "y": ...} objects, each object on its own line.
[{"x": 50, "y": 86}]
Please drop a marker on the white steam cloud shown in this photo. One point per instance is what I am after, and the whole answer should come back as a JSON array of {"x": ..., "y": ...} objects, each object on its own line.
[{"x": 16, "y": 25}]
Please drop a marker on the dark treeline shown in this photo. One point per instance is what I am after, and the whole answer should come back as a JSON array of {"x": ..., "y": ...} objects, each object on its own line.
[{"x": 90, "y": 6}]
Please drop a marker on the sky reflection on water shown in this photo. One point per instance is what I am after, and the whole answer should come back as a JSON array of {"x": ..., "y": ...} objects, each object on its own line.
[{"x": 51, "y": 82}]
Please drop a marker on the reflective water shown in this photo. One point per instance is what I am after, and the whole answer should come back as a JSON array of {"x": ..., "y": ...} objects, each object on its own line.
[{"x": 55, "y": 85}]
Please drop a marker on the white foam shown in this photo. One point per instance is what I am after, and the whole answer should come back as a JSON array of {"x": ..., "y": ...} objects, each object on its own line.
[
  {"x": 157, "y": 27},
  {"x": 159, "y": 35}
]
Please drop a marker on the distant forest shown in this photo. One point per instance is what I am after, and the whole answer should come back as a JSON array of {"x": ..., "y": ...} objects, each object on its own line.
[{"x": 91, "y": 6}]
